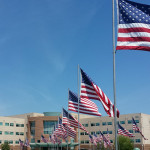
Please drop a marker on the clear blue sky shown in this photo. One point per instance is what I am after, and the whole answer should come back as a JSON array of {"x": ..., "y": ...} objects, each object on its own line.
[{"x": 43, "y": 41}]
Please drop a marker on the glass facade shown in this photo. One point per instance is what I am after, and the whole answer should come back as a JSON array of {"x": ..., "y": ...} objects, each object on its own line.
[
  {"x": 49, "y": 126},
  {"x": 32, "y": 128}
]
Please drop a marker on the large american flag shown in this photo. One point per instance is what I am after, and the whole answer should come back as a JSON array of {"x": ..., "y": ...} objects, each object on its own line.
[
  {"x": 123, "y": 131},
  {"x": 134, "y": 26},
  {"x": 86, "y": 106},
  {"x": 70, "y": 120},
  {"x": 90, "y": 90},
  {"x": 136, "y": 128}
]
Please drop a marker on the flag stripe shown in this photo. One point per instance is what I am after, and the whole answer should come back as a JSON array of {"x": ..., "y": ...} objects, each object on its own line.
[{"x": 133, "y": 39}]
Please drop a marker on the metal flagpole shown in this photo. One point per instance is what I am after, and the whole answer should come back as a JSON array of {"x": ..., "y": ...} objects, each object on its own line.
[
  {"x": 114, "y": 76},
  {"x": 61, "y": 137},
  {"x": 78, "y": 109},
  {"x": 67, "y": 121}
]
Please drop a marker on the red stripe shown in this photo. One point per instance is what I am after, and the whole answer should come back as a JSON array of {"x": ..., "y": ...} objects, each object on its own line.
[
  {"x": 138, "y": 29},
  {"x": 90, "y": 93},
  {"x": 80, "y": 109},
  {"x": 87, "y": 87},
  {"x": 133, "y": 39},
  {"x": 90, "y": 97},
  {"x": 85, "y": 112},
  {"x": 144, "y": 48},
  {"x": 83, "y": 106}
]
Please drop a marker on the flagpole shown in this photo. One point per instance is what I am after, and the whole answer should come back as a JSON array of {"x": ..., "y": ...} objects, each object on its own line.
[
  {"x": 67, "y": 120},
  {"x": 78, "y": 109},
  {"x": 114, "y": 75}
]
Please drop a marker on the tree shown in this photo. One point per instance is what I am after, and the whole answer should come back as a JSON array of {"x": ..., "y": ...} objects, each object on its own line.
[
  {"x": 125, "y": 143},
  {"x": 5, "y": 146}
]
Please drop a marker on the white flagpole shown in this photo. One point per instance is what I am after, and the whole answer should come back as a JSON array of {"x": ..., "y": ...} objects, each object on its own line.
[
  {"x": 78, "y": 108},
  {"x": 114, "y": 76}
]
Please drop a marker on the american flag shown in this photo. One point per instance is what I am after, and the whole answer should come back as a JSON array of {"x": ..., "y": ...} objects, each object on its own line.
[
  {"x": 108, "y": 138},
  {"x": 70, "y": 120},
  {"x": 136, "y": 128},
  {"x": 27, "y": 143},
  {"x": 43, "y": 139},
  {"x": 104, "y": 139},
  {"x": 92, "y": 140},
  {"x": 90, "y": 90},
  {"x": 70, "y": 131},
  {"x": 21, "y": 143},
  {"x": 95, "y": 138},
  {"x": 123, "y": 131},
  {"x": 134, "y": 26},
  {"x": 86, "y": 106}
]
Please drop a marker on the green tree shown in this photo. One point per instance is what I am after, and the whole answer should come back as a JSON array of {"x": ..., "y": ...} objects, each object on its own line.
[
  {"x": 5, "y": 146},
  {"x": 125, "y": 143}
]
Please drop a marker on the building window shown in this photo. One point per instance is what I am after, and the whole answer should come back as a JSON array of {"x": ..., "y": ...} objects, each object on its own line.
[
  {"x": 17, "y": 133},
  {"x": 137, "y": 121},
  {"x": 49, "y": 126},
  {"x": 11, "y": 133},
  {"x": 22, "y": 125},
  {"x": 0, "y": 132},
  {"x": 137, "y": 140},
  {"x": 21, "y": 133},
  {"x": 136, "y": 131},
  {"x": 104, "y": 123},
  {"x": 17, "y": 125},
  {"x": 82, "y": 142},
  {"x": 6, "y": 141},
  {"x": 86, "y": 125},
  {"x": 132, "y": 140},
  {"x": 86, "y": 133},
  {"x": 104, "y": 132},
  {"x": 122, "y": 122},
  {"x": 6, "y": 124},
  {"x": 0, "y": 141},
  {"x": 111, "y": 141},
  {"x": 92, "y": 133},
  {"x": 11, "y": 124},
  {"x": 1, "y": 123},
  {"x": 33, "y": 140},
  {"x": 92, "y": 124},
  {"x": 109, "y": 123},
  {"x": 97, "y": 124},
  {"x": 131, "y": 131},
  {"x": 82, "y": 133},
  {"x": 97, "y": 132},
  {"x": 129, "y": 121},
  {"x": 16, "y": 142},
  {"x": 110, "y": 132},
  {"x": 11, "y": 142},
  {"x": 86, "y": 142},
  {"x": 6, "y": 133}
]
